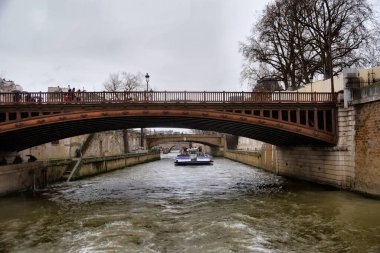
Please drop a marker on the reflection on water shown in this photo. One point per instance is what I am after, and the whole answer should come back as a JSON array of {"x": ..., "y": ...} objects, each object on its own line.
[{"x": 159, "y": 207}]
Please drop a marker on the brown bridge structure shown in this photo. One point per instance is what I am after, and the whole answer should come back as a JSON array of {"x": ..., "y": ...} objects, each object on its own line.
[
  {"x": 211, "y": 140},
  {"x": 28, "y": 119}
]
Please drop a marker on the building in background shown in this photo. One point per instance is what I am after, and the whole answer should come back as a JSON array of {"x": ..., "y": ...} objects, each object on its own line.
[{"x": 9, "y": 86}]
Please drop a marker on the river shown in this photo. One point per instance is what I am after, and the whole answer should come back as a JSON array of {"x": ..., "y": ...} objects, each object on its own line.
[{"x": 158, "y": 207}]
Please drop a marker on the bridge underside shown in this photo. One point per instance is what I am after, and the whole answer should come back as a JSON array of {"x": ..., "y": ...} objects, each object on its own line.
[{"x": 36, "y": 131}]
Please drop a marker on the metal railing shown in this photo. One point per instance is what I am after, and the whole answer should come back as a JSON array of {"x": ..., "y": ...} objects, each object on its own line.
[{"x": 165, "y": 97}]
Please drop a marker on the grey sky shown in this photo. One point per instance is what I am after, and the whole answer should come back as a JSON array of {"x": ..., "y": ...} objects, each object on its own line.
[{"x": 183, "y": 44}]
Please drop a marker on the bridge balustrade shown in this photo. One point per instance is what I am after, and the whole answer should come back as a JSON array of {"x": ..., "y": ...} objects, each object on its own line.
[
  {"x": 165, "y": 97},
  {"x": 273, "y": 117}
]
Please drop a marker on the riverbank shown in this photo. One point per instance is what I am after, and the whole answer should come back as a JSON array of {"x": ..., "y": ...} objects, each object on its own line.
[
  {"x": 39, "y": 174},
  {"x": 268, "y": 160},
  {"x": 262, "y": 159}
]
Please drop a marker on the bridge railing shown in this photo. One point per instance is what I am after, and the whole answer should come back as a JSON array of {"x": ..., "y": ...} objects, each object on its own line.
[{"x": 165, "y": 97}]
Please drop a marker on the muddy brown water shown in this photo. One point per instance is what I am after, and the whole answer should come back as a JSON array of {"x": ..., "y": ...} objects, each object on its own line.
[{"x": 158, "y": 207}]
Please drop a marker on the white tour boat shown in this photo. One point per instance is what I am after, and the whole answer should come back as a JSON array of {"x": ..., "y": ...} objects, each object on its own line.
[{"x": 193, "y": 156}]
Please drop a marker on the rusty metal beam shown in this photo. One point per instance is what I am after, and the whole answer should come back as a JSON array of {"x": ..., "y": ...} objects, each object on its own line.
[
  {"x": 23, "y": 134},
  {"x": 241, "y": 113}
]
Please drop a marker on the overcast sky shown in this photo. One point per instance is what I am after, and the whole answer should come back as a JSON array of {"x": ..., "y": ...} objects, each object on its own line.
[{"x": 182, "y": 44}]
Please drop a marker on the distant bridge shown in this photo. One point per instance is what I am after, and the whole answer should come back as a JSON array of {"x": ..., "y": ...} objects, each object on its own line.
[
  {"x": 211, "y": 140},
  {"x": 279, "y": 118}
]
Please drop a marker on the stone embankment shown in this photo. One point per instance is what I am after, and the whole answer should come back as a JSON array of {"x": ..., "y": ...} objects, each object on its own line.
[
  {"x": 39, "y": 174},
  {"x": 353, "y": 164}
]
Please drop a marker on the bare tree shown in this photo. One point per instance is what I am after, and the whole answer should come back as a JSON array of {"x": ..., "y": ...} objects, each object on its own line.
[
  {"x": 295, "y": 40},
  {"x": 371, "y": 50},
  {"x": 338, "y": 28},
  {"x": 113, "y": 83},
  {"x": 124, "y": 82},
  {"x": 277, "y": 48}
]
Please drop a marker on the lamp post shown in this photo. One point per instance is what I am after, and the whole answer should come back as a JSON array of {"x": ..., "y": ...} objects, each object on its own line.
[
  {"x": 147, "y": 81},
  {"x": 146, "y": 98}
]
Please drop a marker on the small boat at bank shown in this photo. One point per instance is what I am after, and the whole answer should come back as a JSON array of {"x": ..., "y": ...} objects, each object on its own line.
[{"x": 193, "y": 156}]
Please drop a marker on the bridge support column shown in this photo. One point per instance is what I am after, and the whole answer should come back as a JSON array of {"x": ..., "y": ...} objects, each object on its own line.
[
  {"x": 347, "y": 93},
  {"x": 326, "y": 165}
]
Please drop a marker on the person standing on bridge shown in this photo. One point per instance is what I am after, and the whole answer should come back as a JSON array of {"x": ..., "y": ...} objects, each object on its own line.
[
  {"x": 16, "y": 97},
  {"x": 68, "y": 96},
  {"x": 72, "y": 98},
  {"x": 78, "y": 96}
]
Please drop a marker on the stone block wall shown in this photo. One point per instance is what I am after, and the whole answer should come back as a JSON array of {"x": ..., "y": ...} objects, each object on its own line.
[
  {"x": 110, "y": 143},
  {"x": 367, "y": 142},
  {"x": 60, "y": 149},
  {"x": 18, "y": 177},
  {"x": 326, "y": 165},
  {"x": 37, "y": 175},
  {"x": 246, "y": 157},
  {"x": 103, "y": 144},
  {"x": 249, "y": 144},
  {"x": 94, "y": 166},
  {"x": 106, "y": 143},
  {"x": 353, "y": 164}
]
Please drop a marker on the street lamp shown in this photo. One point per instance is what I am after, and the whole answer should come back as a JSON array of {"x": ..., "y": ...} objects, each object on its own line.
[
  {"x": 146, "y": 98},
  {"x": 147, "y": 81}
]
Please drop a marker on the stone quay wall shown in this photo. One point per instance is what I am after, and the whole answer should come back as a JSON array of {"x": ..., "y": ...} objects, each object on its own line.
[
  {"x": 39, "y": 174},
  {"x": 261, "y": 159},
  {"x": 98, "y": 165},
  {"x": 326, "y": 165},
  {"x": 353, "y": 164},
  {"x": 367, "y": 151},
  {"x": 19, "y": 177}
]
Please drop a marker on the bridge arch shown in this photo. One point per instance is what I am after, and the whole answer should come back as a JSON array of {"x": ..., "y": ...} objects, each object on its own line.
[{"x": 33, "y": 131}]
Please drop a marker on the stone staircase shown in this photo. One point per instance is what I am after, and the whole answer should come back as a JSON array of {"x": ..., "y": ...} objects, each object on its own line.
[
  {"x": 69, "y": 169},
  {"x": 75, "y": 163}
]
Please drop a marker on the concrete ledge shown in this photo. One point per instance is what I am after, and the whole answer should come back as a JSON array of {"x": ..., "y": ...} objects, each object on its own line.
[
  {"x": 366, "y": 100},
  {"x": 259, "y": 159},
  {"x": 37, "y": 175},
  {"x": 96, "y": 165},
  {"x": 21, "y": 177}
]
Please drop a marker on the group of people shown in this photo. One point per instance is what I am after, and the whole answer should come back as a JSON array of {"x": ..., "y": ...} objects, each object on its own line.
[
  {"x": 19, "y": 96},
  {"x": 73, "y": 95},
  {"x": 185, "y": 151}
]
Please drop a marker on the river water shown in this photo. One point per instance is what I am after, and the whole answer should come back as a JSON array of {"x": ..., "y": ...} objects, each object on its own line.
[{"x": 157, "y": 207}]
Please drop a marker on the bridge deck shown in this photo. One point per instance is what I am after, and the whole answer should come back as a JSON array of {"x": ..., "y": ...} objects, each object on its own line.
[{"x": 280, "y": 118}]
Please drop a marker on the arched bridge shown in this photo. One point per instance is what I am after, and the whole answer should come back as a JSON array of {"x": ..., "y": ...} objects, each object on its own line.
[
  {"x": 279, "y": 118},
  {"x": 206, "y": 139}
]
